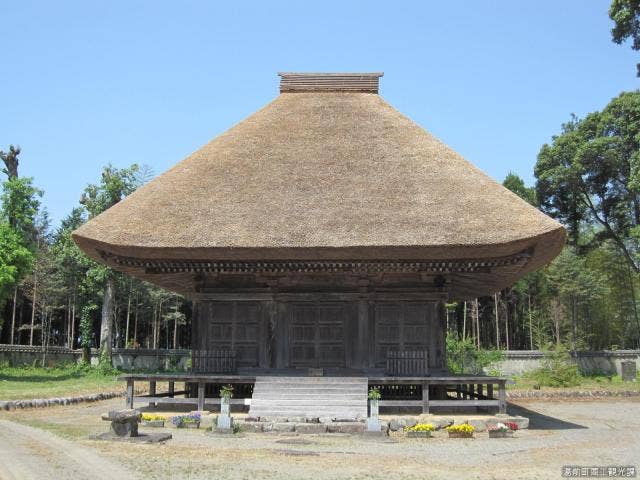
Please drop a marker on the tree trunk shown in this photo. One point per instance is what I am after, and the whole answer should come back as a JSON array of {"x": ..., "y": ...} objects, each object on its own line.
[
  {"x": 73, "y": 322},
  {"x": 106, "y": 321},
  {"x": 155, "y": 326},
  {"x": 530, "y": 325},
  {"x": 33, "y": 306},
  {"x": 126, "y": 330},
  {"x": 574, "y": 323},
  {"x": 477, "y": 319},
  {"x": 464, "y": 321},
  {"x": 13, "y": 314},
  {"x": 506, "y": 321},
  {"x": 495, "y": 303},
  {"x": 135, "y": 323}
]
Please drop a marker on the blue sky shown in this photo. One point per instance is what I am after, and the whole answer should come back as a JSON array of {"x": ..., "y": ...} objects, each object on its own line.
[{"x": 88, "y": 83}]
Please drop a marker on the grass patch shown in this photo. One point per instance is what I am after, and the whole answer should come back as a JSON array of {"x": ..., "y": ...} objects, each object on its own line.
[
  {"x": 19, "y": 383},
  {"x": 583, "y": 383}
]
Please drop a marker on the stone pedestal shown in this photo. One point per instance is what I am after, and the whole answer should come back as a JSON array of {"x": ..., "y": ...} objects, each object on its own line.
[
  {"x": 373, "y": 422},
  {"x": 124, "y": 423},
  {"x": 225, "y": 422}
]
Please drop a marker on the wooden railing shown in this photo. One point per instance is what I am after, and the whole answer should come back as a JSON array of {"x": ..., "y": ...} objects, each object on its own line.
[
  {"x": 407, "y": 363},
  {"x": 213, "y": 361}
]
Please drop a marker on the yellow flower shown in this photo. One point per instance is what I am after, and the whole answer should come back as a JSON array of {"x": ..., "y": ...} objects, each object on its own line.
[
  {"x": 420, "y": 427},
  {"x": 462, "y": 428},
  {"x": 151, "y": 417}
]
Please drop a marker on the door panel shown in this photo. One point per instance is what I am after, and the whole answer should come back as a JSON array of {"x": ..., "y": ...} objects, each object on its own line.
[
  {"x": 401, "y": 326},
  {"x": 234, "y": 326},
  {"x": 317, "y": 335}
]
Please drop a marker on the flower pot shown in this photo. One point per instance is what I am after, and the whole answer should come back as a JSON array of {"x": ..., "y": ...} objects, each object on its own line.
[
  {"x": 500, "y": 433},
  {"x": 153, "y": 423},
  {"x": 460, "y": 435},
  {"x": 424, "y": 434},
  {"x": 189, "y": 425}
]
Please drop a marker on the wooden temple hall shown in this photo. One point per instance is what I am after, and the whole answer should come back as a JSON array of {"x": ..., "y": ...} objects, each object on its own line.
[{"x": 319, "y": 240}]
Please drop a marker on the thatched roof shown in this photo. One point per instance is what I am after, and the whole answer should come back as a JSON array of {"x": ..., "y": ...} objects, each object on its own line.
[{"x": 323, "y": 174}]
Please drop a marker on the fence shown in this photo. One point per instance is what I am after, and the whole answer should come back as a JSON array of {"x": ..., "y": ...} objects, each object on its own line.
[
  {"x": 407, "y": 363},
  {"x": 213, "y": 361}
]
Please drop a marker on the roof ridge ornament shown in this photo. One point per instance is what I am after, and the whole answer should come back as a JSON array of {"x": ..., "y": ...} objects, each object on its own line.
[{"x": 329, "y": 82}]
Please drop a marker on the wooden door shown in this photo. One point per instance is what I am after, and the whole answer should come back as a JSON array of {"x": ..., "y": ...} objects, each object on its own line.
[
  {"x": 404, "y": 326},
  {"x": 232, "y": 326},
  {"x": 317, "y": 335}
]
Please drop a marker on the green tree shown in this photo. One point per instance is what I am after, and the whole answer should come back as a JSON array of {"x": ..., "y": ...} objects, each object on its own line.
[
  {"x": 514, "y": 183},
  {"x": 115, "y": 184},
  {"x": 15, "y": 261},
  {"x": 626, "y": 17},
  {"x": 590, "y": 174}
]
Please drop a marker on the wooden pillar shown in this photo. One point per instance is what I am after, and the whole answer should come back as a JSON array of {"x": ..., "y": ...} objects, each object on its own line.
[
  {"x": 502, "y": 398},
  {"x": 470, "y": 391},
  {"x": 363, "y": 350},
  {"x": 480, "y": 391},
  {"x": 425, "y": 397},
  {"x": 490, "y": 391},
  {"x": 130, "y": 392},
  {"x": 171, "y": 389},
  {"x": 152, "y": 392},
  {"x": 200, "y": 396}
]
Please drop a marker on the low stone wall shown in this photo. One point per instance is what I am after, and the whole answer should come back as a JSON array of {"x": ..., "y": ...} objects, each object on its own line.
[
  {"x": 605, "y": 362},
  {"x": 139, "y": 359},
  {"x": 151, "y": 359},
  {"x": 21, "y": 355},
  {"x": 516, "y": 362}
]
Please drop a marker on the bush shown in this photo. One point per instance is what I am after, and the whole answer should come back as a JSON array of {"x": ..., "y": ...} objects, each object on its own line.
[
  {"x": 557, "y": 370},
  {"x": 464, "y": 357}
]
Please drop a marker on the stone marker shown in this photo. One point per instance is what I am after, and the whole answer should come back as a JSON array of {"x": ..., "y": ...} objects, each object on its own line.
[{"x": 628, "y": 371}]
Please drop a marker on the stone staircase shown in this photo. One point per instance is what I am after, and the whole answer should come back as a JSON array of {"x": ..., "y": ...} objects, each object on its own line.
[{"x": 334, "y": 397}]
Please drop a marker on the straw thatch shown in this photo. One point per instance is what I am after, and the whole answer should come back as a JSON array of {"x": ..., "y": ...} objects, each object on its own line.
[{"x": 323, "y": 175}]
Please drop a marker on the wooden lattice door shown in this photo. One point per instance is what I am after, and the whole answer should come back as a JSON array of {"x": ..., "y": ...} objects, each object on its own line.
[{"x": 317, "y": 335}]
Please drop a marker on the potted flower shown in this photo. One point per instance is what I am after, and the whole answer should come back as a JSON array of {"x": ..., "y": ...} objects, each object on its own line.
[
  {"x": 464, "y": 430},
  {"x": 191, "y": 420},
  {"x": 153, "y": 420},
  {"x": 499, "y": 430},
  {"x": 420, "y": 430}
]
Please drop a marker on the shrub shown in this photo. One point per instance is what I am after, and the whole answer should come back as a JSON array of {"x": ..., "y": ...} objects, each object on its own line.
[
  {"x": 557, "y": 370},
  {"x": 464, "y": 357}
]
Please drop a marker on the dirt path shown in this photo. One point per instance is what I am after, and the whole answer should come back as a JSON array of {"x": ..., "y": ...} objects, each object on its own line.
[{"x": 31, "y": 453}]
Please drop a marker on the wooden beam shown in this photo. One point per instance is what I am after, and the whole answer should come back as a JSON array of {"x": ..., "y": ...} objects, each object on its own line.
[
  {"x": 425, "y": 398},
  {"x": 200, "y": 396}
]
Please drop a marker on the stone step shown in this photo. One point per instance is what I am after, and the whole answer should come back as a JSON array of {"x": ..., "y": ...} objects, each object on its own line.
[
  {"x": 310, "y": 397},
  {"x": 276, "y": 379},
  {"x": 294, "y": 395},
  {"x": 310, "y": 391}
]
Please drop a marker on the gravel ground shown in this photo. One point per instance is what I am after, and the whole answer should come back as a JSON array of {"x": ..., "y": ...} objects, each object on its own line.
[{"x": 588, "y": 433}]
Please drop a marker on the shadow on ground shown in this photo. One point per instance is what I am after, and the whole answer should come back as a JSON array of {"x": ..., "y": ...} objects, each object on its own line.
[{"x": 539, "y": 421}]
